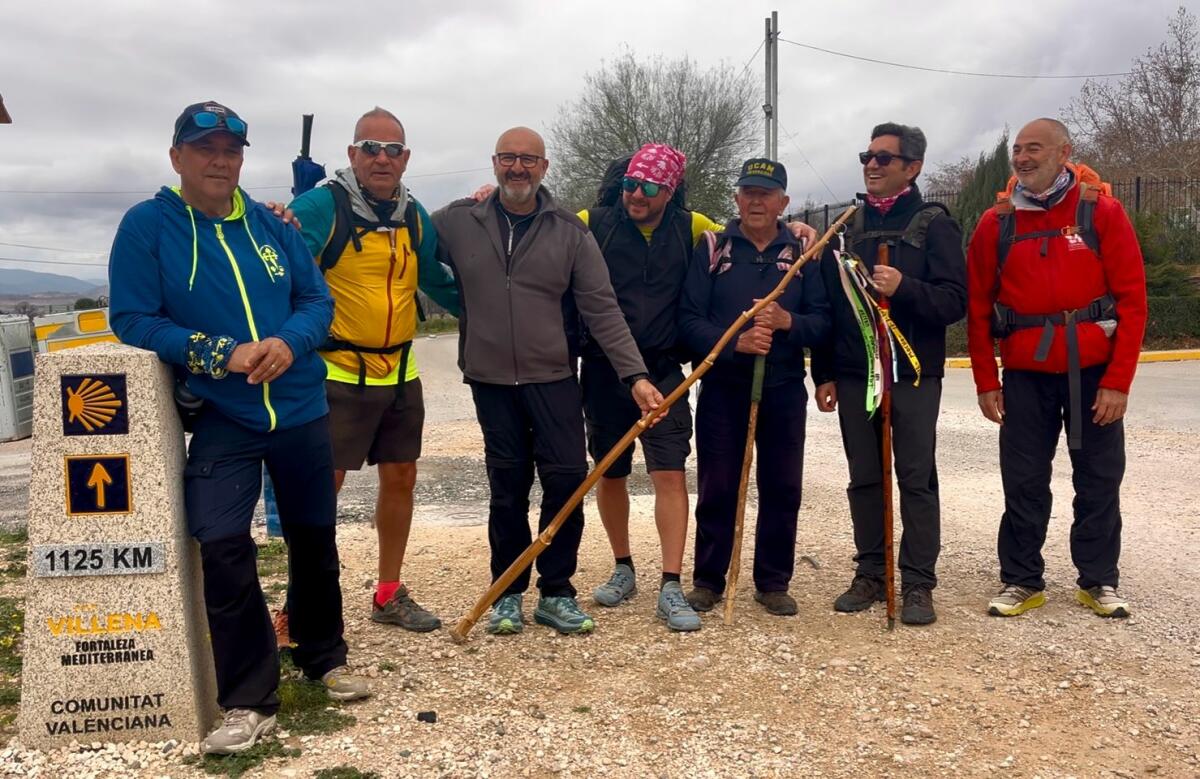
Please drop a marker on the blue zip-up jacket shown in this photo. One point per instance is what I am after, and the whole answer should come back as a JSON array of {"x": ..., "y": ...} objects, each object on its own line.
[
  {"x": 175, "y": 273},
  {"x": 712, "y": 300}
]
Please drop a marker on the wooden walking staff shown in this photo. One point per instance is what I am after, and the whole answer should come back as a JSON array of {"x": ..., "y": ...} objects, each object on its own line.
[
  {"x": 739, "y": 522},
  {"x": 885, "y": 355},
  {"x": 539, "y": 545}
]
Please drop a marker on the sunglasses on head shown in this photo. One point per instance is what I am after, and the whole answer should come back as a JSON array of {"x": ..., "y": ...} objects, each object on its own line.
[
  {"x": 371, "y": 148},
  {"x": 207, "y": 120},
  {"x": 882, "y": 158},
  {"x": 649, "y": 188}
]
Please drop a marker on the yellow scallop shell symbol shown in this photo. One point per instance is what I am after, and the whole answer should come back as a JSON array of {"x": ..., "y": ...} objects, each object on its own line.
[{"x": 92, "y": 403}]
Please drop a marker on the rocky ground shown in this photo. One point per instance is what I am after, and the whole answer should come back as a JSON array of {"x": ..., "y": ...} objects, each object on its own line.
[{"x": 1058, "y": 692}]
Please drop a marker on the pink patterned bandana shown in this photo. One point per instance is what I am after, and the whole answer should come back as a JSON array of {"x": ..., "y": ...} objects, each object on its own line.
[
  {"x": 884, "y": 204},
  {"x": 657, "y": 163}
]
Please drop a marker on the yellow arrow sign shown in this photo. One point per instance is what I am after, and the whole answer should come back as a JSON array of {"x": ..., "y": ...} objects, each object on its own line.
[{"x": 98, "y": 481}]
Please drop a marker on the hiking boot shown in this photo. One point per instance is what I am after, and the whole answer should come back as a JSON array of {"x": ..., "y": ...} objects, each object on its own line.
[
  {"x": 238, "y": 731},
  {"x": 778, "y": 603},
  {"x": 563, "y": 614},
  {"x": 1104, "y": 600},
  {"x": 506, "y": 616},
  {"x": 864, "y": 591},
  {"x": 703, "y": 599},
  {"x": 675, "y": 609},
  {"x": 402, "y": 610},
  {"x": 1014, "y": 600},
  {"x": 283, "y": 638},
  {"x": 621, "y": 586},
  {"x": 342, "y": 685},
  {"x": 918, "y": 606}
]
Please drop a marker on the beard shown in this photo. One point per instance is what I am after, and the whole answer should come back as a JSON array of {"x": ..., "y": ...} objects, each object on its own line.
[{"x": 520, "y": 191}]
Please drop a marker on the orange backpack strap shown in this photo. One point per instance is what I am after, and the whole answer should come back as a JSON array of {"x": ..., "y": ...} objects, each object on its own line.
[{"x": 1003, "y": 204}]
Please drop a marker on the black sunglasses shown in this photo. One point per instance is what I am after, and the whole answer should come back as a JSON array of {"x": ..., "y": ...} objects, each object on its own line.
[
  {"x": 649, "y": 188},
  {"x": 371, "y": 148},
  {"x": 508, "y": 159},
  {"x": 882, "y": 158}
]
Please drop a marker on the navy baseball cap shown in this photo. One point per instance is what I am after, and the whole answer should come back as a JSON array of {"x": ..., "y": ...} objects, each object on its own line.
[
  {"x": 201, "y": 119},
  {"x": 761, "y": 172}
]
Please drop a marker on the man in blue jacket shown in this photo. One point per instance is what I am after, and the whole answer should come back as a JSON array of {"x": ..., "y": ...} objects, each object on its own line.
[
  {"x": 751, "y": 257},
  {"x": 216, "y": 285}
]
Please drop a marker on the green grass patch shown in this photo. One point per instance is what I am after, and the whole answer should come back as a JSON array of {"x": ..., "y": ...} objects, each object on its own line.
[
  {"x": 304, "y": 708},
  {"x": 582, "y": 709},
  {"x": 387, "y": 666},
  {"x": 436, "y": 323},
  {"x": 234, "y": 766},
  {"x": 344, "y": 772},
  {"x": 12, "y": 624},
  {"x": 13, "y": 547},
  {"x": 272, "y": 558}
]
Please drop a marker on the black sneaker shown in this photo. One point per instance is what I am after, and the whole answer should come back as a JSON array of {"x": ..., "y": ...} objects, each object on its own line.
[
  {"x": 918, "y": 606},
  {"x": 402, "y": 610},
  {"x": 703, "y": 599},
  {"x": 778, "y": 603},
  {"x": 864, "y": 591}
]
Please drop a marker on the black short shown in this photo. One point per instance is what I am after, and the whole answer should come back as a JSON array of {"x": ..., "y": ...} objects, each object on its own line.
[
  {"x": 375, "y": 423},
  {"x": 609, "y": 412}
]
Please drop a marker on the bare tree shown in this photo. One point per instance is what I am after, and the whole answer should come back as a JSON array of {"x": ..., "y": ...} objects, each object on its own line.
[
  {"x": 950, "y": 177},
  {"x": 1148, "y": 122},
  {"x": 711, "y": 116}
]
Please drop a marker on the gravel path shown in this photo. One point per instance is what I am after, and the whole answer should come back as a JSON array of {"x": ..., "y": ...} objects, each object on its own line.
[{"x": 1055, "y": 693}]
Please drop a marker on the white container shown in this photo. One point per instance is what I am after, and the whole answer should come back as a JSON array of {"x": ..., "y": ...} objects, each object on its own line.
[{"x": 16, "y": 378}]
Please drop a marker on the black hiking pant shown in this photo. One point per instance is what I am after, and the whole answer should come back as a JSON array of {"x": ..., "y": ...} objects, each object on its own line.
[
  {"x": 914, "y": 439},
  {"x": 222, "y": 482},
  {"x": 1036, "y": 406},
  {"x": 528, "y": 427},
  {"x": 721, "y": 416}
]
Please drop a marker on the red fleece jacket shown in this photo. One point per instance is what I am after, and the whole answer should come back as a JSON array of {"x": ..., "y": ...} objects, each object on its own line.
[{"x": 1070, "y": 276}]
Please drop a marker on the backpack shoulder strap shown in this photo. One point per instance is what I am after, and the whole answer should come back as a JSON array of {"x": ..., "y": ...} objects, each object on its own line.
[
  {"x": 719, "y": 248},
  {"x": 1005, "y": 215},
  {"x": 412, "y": 220},
  {"x": 343, "y": 227},
  {"x": 918, "y": 226},
  {"x": 1085, "y": 216}
]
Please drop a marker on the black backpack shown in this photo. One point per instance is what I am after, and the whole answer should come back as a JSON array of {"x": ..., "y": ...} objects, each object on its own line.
[
  {"x": 349, "y": 226},
  {"x": 913, "y": 234}
]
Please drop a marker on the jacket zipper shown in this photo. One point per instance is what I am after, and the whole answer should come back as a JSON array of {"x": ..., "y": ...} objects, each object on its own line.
[
  {"x": 237, "y": 275},
  {"x": 387, "y": 328}
]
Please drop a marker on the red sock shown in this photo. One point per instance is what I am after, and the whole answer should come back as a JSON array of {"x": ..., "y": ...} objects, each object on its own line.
[{"x": 384, "y": 591}]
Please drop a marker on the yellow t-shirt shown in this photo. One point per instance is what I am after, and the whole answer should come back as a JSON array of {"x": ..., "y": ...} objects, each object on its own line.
[{"x": 700, "y": 223}]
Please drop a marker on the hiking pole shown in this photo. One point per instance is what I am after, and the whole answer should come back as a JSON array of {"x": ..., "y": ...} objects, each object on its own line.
[
  {"x": 885, "y": 353},
  {"x": 539, "y": 545},
  {"x": 739, "y": 521}
]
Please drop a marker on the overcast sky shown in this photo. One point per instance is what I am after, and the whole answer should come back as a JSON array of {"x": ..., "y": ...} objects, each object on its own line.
[{"x": 94, "y": 88}]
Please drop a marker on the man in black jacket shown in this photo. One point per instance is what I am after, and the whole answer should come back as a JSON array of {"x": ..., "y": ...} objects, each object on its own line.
[{"x": 925, "y": 282}]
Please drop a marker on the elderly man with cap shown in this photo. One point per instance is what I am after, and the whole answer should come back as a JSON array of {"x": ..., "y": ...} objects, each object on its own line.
[
  {"x": 228, "y": 294},
  {"x": 746, "y": 263}
]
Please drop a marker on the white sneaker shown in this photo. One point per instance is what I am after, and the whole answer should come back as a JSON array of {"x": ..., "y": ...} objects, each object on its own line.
[{"x": 240, "y": 730}]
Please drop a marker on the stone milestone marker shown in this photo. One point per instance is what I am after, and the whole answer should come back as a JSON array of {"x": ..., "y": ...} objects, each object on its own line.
[{"x": 116, "y": 640}]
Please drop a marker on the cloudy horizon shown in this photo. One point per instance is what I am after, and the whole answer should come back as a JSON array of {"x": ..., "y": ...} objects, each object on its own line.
[{"x": 93, "y": 89}]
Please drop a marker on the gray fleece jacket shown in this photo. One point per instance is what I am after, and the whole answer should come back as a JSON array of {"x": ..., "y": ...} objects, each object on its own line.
[{"x": 511, "y": 330}]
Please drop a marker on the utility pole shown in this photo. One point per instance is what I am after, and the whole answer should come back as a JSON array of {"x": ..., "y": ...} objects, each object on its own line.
[{"x": 771, "y": 106}]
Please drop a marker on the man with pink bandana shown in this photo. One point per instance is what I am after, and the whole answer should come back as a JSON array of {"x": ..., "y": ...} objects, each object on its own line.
[{"x": 647, "y": 240}]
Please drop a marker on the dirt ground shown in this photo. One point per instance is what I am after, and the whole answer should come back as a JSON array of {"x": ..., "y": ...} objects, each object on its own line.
[{"x": 1057, "y": 692}]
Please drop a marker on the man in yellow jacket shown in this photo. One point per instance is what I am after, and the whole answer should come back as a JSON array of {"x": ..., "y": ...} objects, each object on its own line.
[{"x": 376, "y": 246}]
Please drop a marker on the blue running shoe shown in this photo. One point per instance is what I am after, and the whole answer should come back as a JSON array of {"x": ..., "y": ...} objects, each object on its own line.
[
  {"x": 506, "y": 616},
  {"x": 675, "y": 609},
  {"x": 562, "y": 614}
]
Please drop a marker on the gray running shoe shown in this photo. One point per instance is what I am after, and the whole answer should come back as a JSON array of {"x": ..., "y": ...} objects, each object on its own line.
[
  {"x": 506, "y": 616},
  {"x": 675, "y": 609},
  {"x": 1014, "y": 600},
  {"x": 402, "y": 610},
  {"x": 621, "y": 586},
  {"x": 342, "y": 685},
  {"x": 563, "y": 614},
  {"x": 238, "y": 731},
  {"x": 1104, "y": 600}
]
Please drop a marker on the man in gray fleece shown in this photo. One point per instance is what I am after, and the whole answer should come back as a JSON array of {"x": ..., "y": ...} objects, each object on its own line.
[{"x": 521, "y": 262}]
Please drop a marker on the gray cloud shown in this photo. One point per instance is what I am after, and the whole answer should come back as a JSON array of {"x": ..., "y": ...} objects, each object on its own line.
[{"x": 94, "y": 87}]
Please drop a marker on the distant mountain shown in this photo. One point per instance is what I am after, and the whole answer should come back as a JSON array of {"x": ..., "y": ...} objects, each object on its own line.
[{"x": 14, "y": 281}]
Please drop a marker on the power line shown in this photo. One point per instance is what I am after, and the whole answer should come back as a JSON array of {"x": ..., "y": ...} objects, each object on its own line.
[
  {"x": 49, "y": 248},
  {"x": 946, "y": 70},
  {"x": 750, "y": 59},
  {"x": 54, "y": 262},
  {"x": 804, "y": 157},
  {"x": 145, "y": 191}
]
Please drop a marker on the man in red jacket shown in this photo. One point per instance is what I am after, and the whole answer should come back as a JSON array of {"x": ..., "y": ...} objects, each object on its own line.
[{"x": 1055, "y": 274}]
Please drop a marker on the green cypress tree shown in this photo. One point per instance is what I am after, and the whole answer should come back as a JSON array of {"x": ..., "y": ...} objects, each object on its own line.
[{"x": 991, "y": 176}]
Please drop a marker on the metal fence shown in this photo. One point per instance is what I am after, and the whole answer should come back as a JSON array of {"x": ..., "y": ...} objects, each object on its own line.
[{"x": 1176, "y": 199}]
